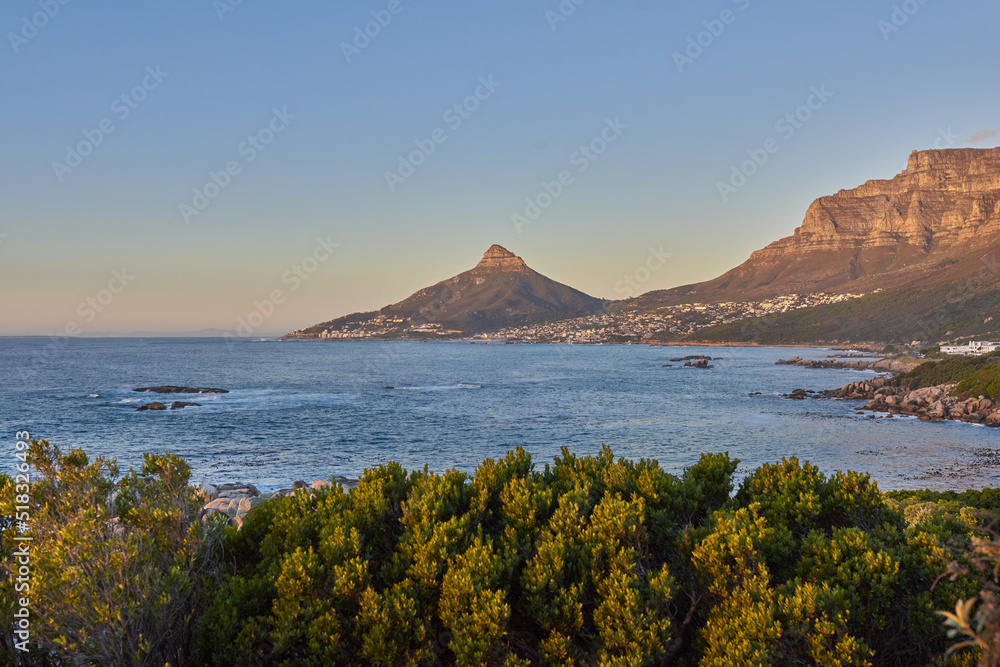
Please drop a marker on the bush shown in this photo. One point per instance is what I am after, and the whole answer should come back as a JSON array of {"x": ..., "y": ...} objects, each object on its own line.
[
  {"x": 119, "y": 568},
  {"x": 974, "y": 376},
  {"x": 591, "y": 560}
]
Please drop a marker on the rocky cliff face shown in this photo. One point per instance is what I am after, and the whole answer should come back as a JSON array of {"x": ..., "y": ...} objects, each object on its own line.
[
  {"x": 943, "y": 197},
  {"x": 939, "y": 216},
  {"x": 498, "y": 258}
]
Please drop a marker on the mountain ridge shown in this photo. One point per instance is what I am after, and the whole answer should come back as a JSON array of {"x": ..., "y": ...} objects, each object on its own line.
[
  {"x": 924, "y": 246},
  {"x": 883, "y": 234},
  {"x": 500, "y": 291}
]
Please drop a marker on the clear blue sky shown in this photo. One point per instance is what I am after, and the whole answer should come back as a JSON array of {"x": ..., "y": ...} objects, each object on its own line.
[{"x": 66, "y": 228}]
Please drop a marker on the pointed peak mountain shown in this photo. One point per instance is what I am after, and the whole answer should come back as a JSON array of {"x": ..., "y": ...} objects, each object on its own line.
[
  {"x": 498, "y": 258},
  {"x": 501, "y": 291}
]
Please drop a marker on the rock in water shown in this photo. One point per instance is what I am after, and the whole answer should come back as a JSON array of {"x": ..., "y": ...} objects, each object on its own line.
[
  {"x": 152, "y": 406},
  {"x": 177, "y": 405},
  {"x": 172, "y": 389}
]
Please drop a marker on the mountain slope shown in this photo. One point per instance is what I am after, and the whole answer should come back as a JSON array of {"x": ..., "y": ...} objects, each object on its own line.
[
  {"x": 932, "y": 222},
  {"x": 500, "y": 291}
]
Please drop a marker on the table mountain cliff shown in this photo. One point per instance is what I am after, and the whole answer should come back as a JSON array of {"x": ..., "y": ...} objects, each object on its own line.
[
  {"x": 942, "y": 210},
  {"x": 929, "y": 239}
]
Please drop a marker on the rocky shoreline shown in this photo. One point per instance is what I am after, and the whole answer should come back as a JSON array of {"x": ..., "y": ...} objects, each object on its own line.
[
  {"x": 928, "y": 403},
  {"x": 235, "y": 501},
  {"x": 878, "y": 365}
]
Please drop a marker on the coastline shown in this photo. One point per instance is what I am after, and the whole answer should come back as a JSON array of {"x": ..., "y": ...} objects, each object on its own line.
[{"x": 819, "y": 346}]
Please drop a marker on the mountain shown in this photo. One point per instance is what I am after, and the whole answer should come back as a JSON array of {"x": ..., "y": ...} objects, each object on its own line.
[
  {"x": 500, "y": 291},
  {"x": 927, "y": 239},
  {"x": 941, "y": 210}
]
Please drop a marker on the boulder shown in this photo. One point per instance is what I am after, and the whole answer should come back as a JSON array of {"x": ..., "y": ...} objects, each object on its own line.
[
  {"x": 152, "y": 406},
  {"x": 320, "y": 484},
  {"x": 938, "y": 408},
  {"x": 346, "y": 483},
  {"x": 210, "y": 491},
  {"x": 237, "y": 490},
  {"x": 218, "y": 505},
  {"x": 298, "y": 485},
  {"x": 172, "y": 389}
]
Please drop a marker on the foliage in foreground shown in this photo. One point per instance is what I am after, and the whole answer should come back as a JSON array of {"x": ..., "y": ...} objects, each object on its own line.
[
  {"x": 588, "y": 561},
  {"x": 119, "y": 568}
]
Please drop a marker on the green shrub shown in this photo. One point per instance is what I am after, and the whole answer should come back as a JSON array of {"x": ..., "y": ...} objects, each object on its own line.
[
  {"x": 974, "y": 376},
  {"x": 119, "y": 569},
  {"x": 591, "y": 560}
]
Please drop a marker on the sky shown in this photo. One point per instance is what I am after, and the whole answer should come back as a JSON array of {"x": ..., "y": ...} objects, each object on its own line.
[{"x": 172, "y": 167}]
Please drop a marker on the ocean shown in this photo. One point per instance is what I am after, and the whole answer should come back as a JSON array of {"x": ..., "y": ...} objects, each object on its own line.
[{"x": 308, "y": 410}]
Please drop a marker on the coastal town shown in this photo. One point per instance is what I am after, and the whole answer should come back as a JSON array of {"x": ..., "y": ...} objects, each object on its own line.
[{"x": 620, "y": 325}]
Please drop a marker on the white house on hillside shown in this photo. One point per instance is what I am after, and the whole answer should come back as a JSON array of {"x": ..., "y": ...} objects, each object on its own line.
[{"x": 971, "y": 349}]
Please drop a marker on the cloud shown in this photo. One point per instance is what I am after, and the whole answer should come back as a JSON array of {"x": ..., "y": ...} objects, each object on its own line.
[{"x": 982, "y": 135}]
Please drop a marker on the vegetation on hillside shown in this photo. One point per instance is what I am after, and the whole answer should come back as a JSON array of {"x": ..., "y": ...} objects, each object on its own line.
[
  {"x": 974, "y": 376},
  {"x": 897, "y": 316},
  {"x": 590, "y": 560}
]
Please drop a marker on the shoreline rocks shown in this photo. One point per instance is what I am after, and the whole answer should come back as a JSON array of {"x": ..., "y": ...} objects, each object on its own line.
[
  {"x": 927, "y": 404},
  {"x": 879, "y": 365},
  {"x": 237, "y": 500}
]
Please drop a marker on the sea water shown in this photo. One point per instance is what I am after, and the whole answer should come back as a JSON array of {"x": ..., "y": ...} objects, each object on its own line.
[{"x": 308, "y": 410}]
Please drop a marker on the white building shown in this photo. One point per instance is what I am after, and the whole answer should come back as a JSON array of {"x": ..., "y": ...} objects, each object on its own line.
[{"x": 971, "y": 349}]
